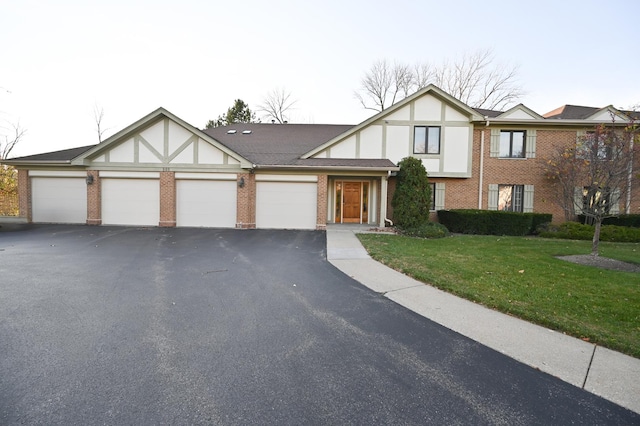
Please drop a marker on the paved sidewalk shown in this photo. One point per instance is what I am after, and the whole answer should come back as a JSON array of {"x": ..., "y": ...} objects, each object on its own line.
[{"x": 604, "y": 372}]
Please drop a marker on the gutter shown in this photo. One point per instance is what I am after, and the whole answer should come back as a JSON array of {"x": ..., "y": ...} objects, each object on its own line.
[{"x": 346, "y": 168}]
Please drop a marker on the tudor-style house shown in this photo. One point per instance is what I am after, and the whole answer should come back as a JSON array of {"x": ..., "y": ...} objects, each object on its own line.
[{"x": 162, "y": 171}]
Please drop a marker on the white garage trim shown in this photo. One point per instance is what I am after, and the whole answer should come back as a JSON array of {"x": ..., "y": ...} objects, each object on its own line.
[
  {"x": 130, "y": 202},
  {"x": 207, "y": 176},
  {"x": 59, "y": 199},
  {"x": 206, "y": 203},
  {"x": 56, "y": 173},
  {"x": 286, "y": 205},
  {"x": 131, "y": 175}
]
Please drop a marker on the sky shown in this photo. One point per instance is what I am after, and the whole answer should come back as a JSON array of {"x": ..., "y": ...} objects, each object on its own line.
[{"x": 60, "y": 59}]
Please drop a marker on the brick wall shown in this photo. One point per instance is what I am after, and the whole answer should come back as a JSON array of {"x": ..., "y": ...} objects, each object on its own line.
[
  {"x": 167, "y": 199},
  {"x": 94, "y": 199},
  {"x": 246, "y": 202},
  {"x": 321, "y": 221},
  {"x": 24, "y": 194}
]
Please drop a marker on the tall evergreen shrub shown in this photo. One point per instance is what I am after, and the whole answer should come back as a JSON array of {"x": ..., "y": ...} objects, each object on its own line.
[{"x": 412, "y": 196}]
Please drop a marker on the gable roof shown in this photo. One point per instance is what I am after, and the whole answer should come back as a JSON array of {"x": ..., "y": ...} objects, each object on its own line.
[
  {"x": 275, "y": 144},
  {"x": 522, "y": 109},
  {"x": 429, "y": 89},
  {"x": 571, "y": 112},
  {"x": 149, "y": 119},
  {"x": 488, "y": 112},
  {"x": 282, "y": 145},
  {"x": 62, "y": 156}
]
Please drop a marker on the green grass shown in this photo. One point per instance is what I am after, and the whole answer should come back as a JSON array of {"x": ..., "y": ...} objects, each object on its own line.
[{"x": 520, "y": 276}]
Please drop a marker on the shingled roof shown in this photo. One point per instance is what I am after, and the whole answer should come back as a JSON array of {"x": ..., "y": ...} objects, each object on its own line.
[
  {"x": 571, "y": 112},
  {"x": 64, "y": 156},
  {"x": 275, "y": 144}
]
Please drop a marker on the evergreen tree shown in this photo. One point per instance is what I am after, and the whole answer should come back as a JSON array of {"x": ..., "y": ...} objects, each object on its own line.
[
  {"x": 412, "y": 196},
  {"x": 239, "y": 112}
]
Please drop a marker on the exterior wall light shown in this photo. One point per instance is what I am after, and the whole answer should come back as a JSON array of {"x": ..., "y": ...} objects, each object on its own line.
[
  {"x": 89, "y": 179},
  {"x": 241, "y": 182}
]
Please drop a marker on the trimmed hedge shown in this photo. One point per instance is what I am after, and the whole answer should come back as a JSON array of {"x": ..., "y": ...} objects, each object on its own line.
[
  {"x": 630, "y": 220},
  {"x": 578, "y": 231},
  {"x": 492, "y": 222}
]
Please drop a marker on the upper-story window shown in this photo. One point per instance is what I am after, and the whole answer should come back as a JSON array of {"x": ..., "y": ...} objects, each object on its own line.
[
  {"x": 512, "y": 143},
  {"x": 426, "y": 140}
]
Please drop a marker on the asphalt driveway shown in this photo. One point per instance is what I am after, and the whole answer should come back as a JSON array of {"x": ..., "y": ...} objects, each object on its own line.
[{"x": 109, "y": 325}]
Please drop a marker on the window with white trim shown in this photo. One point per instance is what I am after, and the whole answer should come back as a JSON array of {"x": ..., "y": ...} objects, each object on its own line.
[
  {"x": 512, "y": 143},
  {"x": 513, "y": 198},
  {"x": 510, "y": 198},
  {"x": 426, "y": 140}
]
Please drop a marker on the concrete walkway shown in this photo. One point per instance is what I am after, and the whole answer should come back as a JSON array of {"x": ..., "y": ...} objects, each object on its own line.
[{"x": 604, "y": 372}]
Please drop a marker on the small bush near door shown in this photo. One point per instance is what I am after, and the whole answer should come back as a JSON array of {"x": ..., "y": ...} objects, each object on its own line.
[
  {"x": 428, "y": 230},
  {"x": 412, "y": 195}
]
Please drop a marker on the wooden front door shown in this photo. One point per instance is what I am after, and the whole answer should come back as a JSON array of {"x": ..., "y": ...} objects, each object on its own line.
[{"x": 351, "y": 202}]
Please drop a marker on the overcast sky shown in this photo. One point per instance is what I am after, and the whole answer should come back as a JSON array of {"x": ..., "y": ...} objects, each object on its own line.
[{"x": 60, "y": 58}]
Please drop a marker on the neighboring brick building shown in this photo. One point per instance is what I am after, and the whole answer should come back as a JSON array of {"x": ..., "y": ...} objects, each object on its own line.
[{"x": 162, "y": 171}]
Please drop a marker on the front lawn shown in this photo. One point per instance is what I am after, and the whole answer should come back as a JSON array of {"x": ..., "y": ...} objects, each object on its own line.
[{"x": 520, "y": 276}]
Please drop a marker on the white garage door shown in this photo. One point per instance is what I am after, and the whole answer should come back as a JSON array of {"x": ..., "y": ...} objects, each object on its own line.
[
  {"x": 286, "y": 205},
  {"x": 130, "y": 202},
  {"x": 207, "y": 203},
  {"x": 58, "y": 200}
]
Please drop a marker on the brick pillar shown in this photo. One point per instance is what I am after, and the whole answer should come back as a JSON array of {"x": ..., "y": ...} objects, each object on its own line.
[
  {"x": 94, "y": 198},
  {"x": 24, "y": 194},
  {"x": 246, "y": 204},
  {"x": 321, "y": 215},
  {"x": 167, "y": 199}
]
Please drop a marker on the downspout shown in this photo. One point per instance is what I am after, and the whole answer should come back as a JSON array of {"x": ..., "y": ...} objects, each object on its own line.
[
  {"x": 627, "y": 209},
  {"x": 386, "y": 219},
  {"x": 481, "y": 174}
]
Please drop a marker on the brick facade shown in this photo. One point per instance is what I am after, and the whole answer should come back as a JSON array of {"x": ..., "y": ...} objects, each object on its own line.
[
  {"x": 24, "y": 194},
  {"x": 246, "y": 202},
  {"x": 94, "y": 198},
  {"x": 321, "y": 217},
  {"x": 167, "y": 199}
]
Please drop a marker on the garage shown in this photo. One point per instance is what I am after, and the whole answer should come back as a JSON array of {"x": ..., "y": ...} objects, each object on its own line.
[
  {"x": 130, "y": 202},
  {"x": 284, "y": 203},
  {"x": 206, "y": 203},
  {"x": 59, "y": 199}
]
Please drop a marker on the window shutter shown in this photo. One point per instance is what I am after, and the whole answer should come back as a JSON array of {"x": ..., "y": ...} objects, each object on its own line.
[
  {"x": 531, "y": 144},
  {"x": 439, "y": 196},
  {"x": 528, "y": 199},
  {"x": 494, "y": 150},
  {"x": 578, "y": 199},
  {"x": 493, "y": 196},
  {"x": 615, "y": 202}
]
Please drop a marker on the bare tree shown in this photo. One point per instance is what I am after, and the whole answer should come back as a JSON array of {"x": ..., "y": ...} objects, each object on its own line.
[
  {"x": 474, "y": 78},
  {"x": 8, "y": 174},
  {"x": 595, "y": 176},
  {"x": 98, "y": 116},
  {"x": 10, "y": 141},
  {"x": 276, "y": 104},
  {"x": 383, "y": 83}
]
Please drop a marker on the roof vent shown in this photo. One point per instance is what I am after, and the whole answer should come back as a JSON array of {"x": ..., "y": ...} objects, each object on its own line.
[
  {"x": 231, "y": 132},
  {"x": 246, "y": 132}
]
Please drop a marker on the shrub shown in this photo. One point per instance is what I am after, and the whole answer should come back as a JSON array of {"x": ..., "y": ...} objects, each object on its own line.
[
  {"x": 428, "y": 230},
  {"x": 412, "y": 195},
  {"x": 631, "y": 220},
  {"x": 491, "y": 222},
  {"x": 578, "y": 231}
]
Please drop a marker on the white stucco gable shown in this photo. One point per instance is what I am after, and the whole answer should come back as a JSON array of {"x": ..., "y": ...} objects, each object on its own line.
[
  {"x": 161, "y": 140},
  {"x": 520, "y": 112},
  {"x": 610, "y": 114},
  {"x": 390, "y": 134}
]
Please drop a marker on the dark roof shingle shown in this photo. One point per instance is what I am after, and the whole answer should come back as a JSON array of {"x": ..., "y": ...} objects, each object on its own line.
[
  {"x": 55, "y": 156},
  {"x": 275, "y": 144}
]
